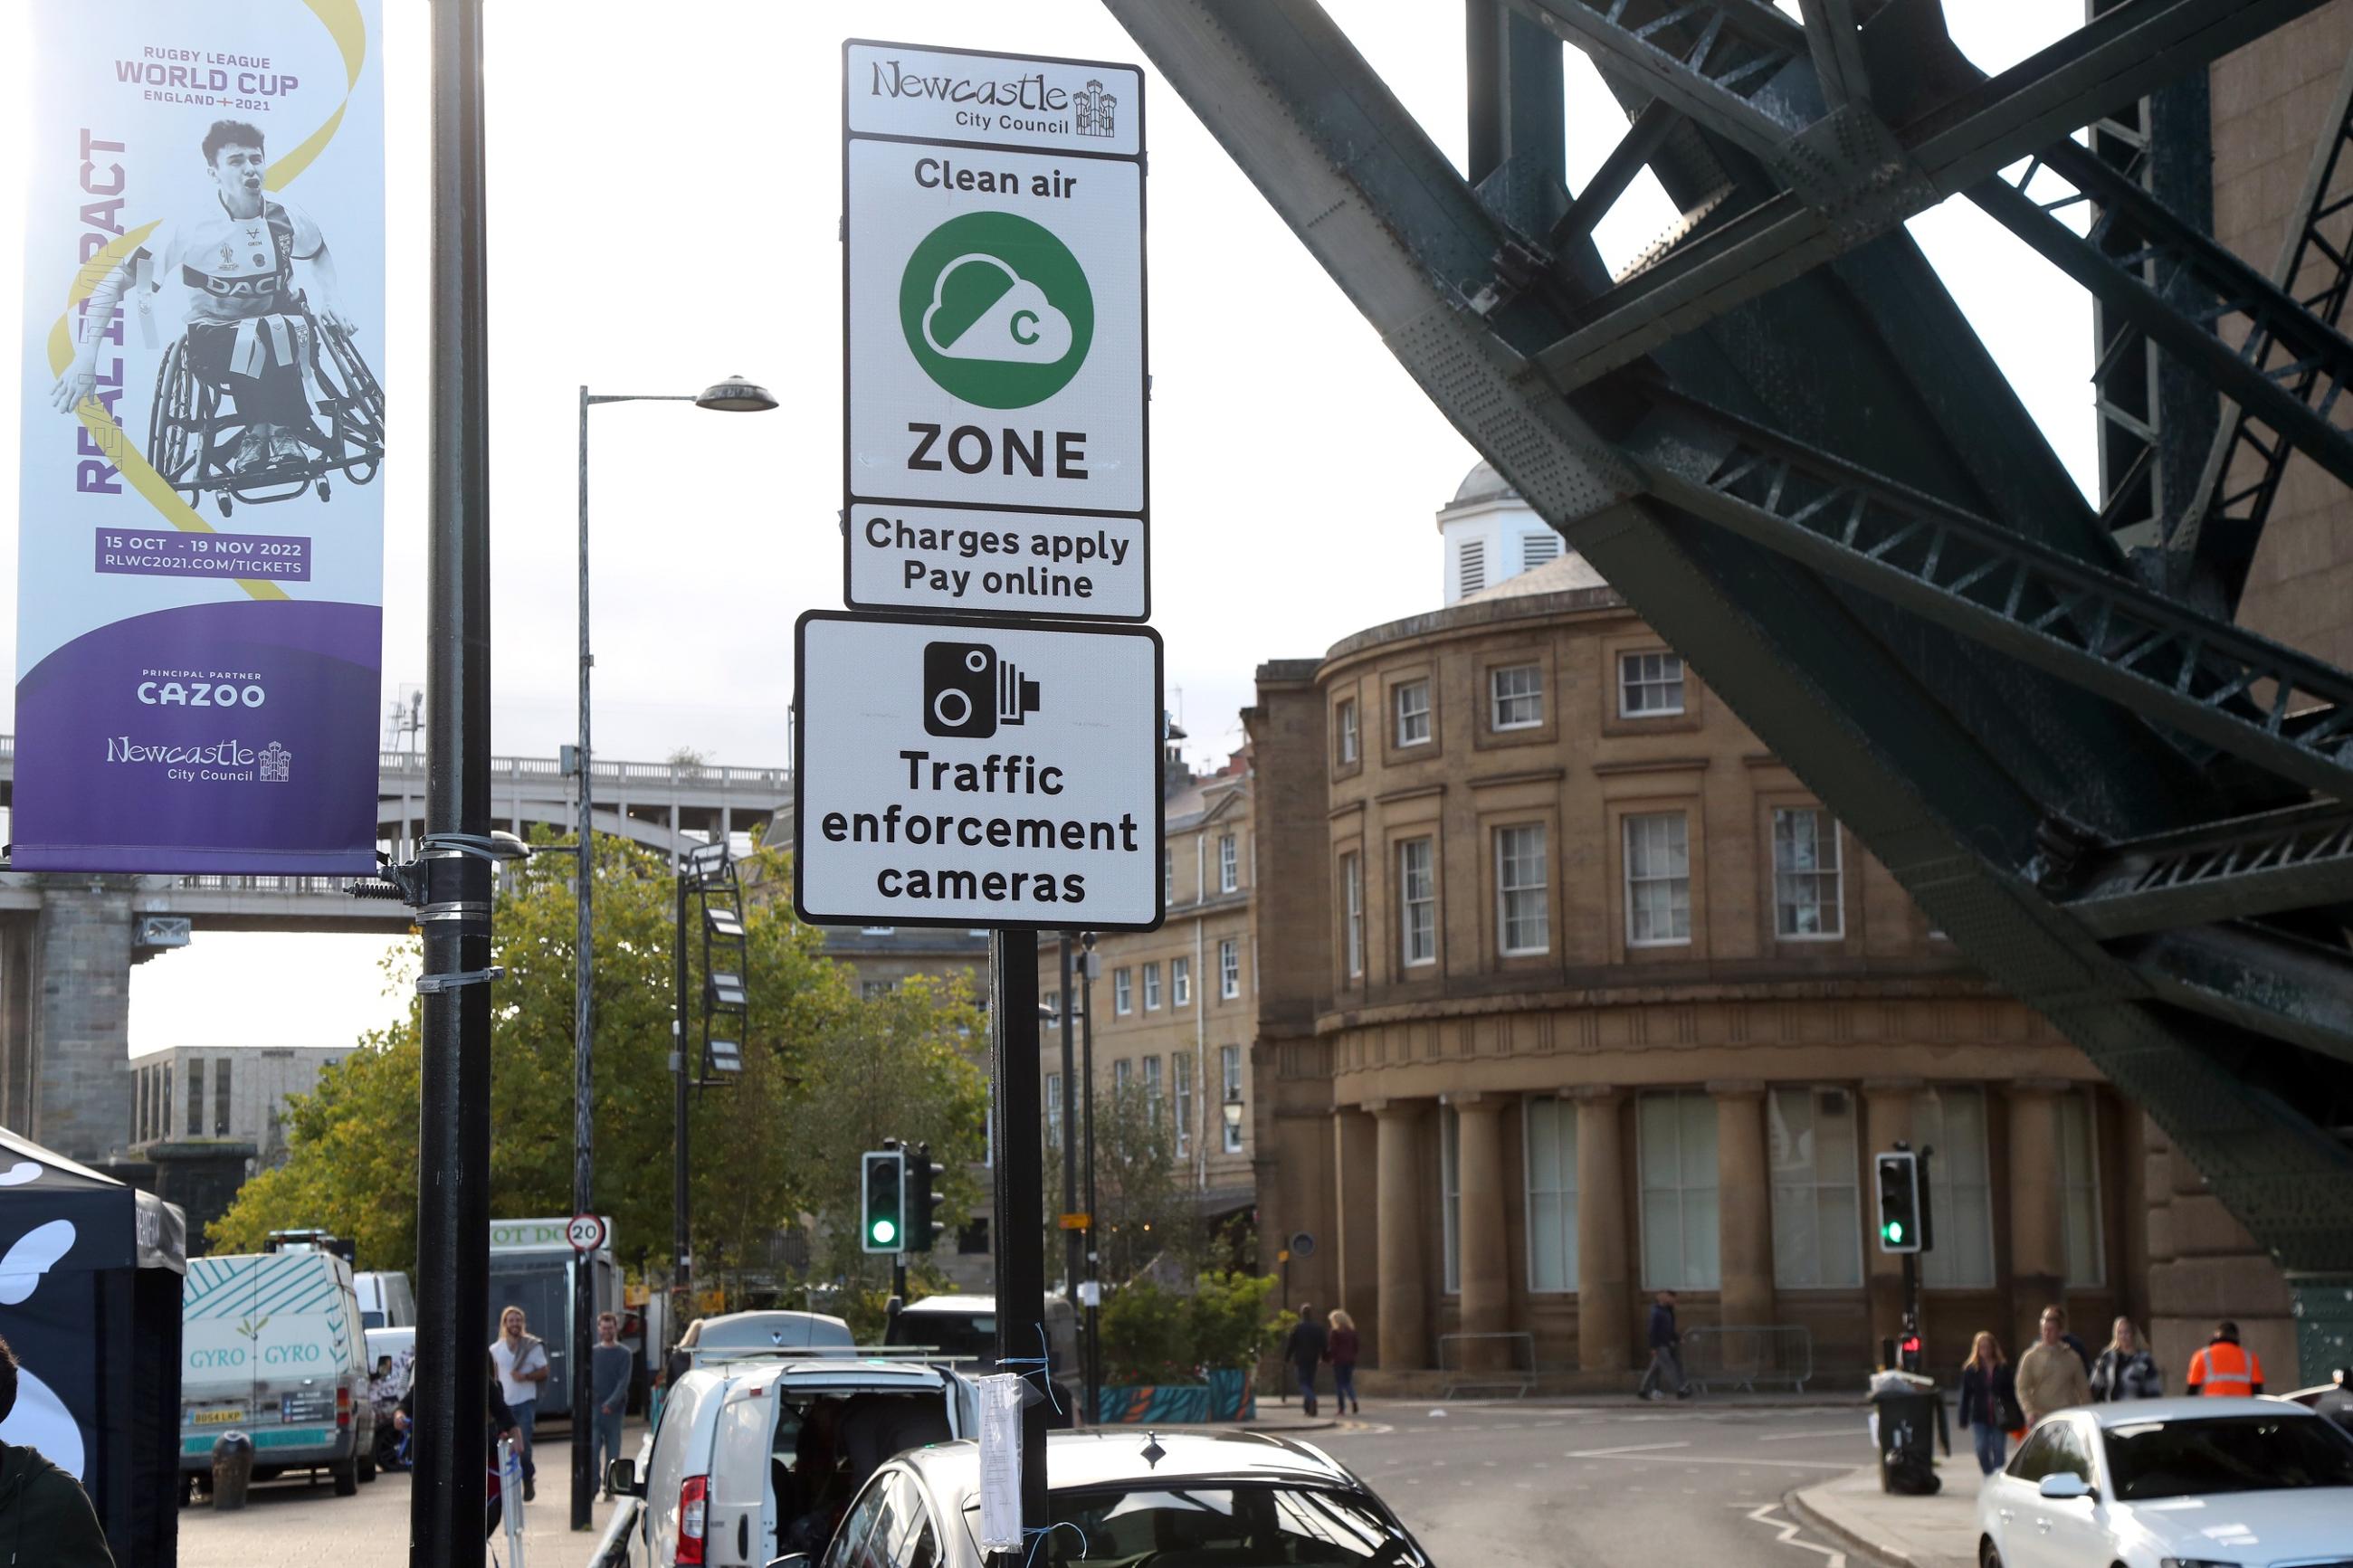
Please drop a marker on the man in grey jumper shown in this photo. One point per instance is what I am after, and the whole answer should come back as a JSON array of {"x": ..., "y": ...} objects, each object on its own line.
[{"x": 608, "y": 1381}]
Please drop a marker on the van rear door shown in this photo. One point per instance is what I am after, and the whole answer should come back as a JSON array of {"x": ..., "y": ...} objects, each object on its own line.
[
  {"x": 742, "y": 1528},
  {"x": 218, "y": 1355},
  {"x": 682, "y": 1446}
]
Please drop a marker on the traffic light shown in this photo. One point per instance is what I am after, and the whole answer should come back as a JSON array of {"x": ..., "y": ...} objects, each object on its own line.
[
  {"x": 1899, "y": 1202},
  {"x": 923, "y": 1230},
  {"x": 882, "y": 1201}
]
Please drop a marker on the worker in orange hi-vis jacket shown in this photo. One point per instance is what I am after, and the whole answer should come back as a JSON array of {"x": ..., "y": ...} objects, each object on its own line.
[{"x": 2225, "y": 1368}]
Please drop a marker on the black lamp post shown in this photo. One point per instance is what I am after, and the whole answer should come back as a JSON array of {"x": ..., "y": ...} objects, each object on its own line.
[{"x": 733, "y": 395}]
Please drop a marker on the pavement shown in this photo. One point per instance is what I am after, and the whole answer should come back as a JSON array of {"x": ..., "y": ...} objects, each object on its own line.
[{"x": 1939, "y": 1531}]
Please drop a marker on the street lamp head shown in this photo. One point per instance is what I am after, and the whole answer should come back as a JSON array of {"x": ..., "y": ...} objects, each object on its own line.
[{"x": 736, "y": 396}]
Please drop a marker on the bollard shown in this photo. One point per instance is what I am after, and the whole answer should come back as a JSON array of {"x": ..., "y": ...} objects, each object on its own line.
[{"x": 232, "y": 1470}]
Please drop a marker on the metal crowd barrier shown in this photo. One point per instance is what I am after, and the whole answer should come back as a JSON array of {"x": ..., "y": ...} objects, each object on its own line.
[
  {"x": 1742, "y": 1356},
  {"x": 1468, "y": 1362}
]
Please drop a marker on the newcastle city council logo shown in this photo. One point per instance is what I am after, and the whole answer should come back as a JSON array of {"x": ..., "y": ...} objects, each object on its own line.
[
  {"x": 997, "y": 309},
  {"x": 1095, "y": 110},
  {"x": 277, "y": 763}
]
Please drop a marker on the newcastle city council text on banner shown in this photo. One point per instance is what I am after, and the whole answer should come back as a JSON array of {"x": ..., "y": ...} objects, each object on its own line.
[{"x": 201, "y": 522}]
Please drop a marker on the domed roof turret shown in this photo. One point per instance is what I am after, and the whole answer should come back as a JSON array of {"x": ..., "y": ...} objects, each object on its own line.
[{"x": 1481, "y": 484}]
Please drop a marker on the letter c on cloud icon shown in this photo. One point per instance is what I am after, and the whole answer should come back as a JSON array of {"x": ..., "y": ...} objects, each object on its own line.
[{"x": 983, "y": 309}]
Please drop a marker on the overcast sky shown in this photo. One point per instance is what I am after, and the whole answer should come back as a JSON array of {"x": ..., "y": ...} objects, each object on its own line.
[{"x": 665, "y": 183}]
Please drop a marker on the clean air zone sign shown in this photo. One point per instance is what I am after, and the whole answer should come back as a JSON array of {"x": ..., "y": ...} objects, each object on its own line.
[{"x": 995, "y": 450}]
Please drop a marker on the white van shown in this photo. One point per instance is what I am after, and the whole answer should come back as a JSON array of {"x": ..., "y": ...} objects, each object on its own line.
[
  {"x": 271, "y": 1346},
  {"x": 385, "y": 1301},
  {"x": 727, "y": 1473}
]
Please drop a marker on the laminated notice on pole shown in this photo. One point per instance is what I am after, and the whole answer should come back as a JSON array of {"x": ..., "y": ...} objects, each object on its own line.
[{"x": 1000, "y": 1462}]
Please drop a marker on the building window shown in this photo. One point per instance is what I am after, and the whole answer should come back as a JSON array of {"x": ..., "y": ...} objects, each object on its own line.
[
  {"x": 1180, "y": 1067},
  {"x": 972, "y": 1238},
  {"x": 1167, "y": 876},
  {"x": 196, "y": 1099},
  {"x": 1413, "y": 713},
  {"x": 1806, "y": 902},
  {"x": 1522, "y": 924},
  {"x": 1450, "y": 1193},
  {"x": 1352, "y": 887},
  {"x": 220, "y": 1097},
  {"x": 1053, "y": 1002},
  {"x": 1122, "y": 992},
  {"x": 1515, "y": 696},
  {"x": 1677, "y": 1132},
  {"x": 1650, "y": 685},
  {"x": 1471, "y": 560},
  {"x": 1229, "y": 968},
  {"x": 1952, "y": 1121},
  {"x": 1152, "y": 1090},
  {"x": 870, "y": 989},
  {"x": 1416, "y": 903},
  {"x": 1349, "y": 745},
  {"x": 1152, "y": 987},
  {"x": 1054, "y": 1109},
  {"x": 1537, "y": 550},
  {"x": 1551, "y": 1144},
  {"x": 1230, "y": 1070},
  {"x": 1123, "y": 1075},
  {"x": 1658, "y": 879},
  {"x": 1180, "y": 982},
  {"x": 1229, "y": 864},
  {"x": 2079, "y": 1191},
  {"x": 1817, "y": 1216}
]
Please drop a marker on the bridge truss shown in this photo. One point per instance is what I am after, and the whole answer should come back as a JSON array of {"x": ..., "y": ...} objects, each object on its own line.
[{"x": 1778, "y": 436}]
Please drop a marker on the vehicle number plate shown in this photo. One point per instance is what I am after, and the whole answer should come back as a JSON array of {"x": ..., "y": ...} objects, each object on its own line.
[{"x": 215, "y": 1417}]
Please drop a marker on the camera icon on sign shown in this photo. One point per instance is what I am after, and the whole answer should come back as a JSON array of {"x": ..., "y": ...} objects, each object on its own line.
[{"x": 968, "y": 691}]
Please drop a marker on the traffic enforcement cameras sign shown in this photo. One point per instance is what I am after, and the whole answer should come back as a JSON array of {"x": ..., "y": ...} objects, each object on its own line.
[
  {"x": 995, "y": 452},
  {"x": 976, "y": 773}
]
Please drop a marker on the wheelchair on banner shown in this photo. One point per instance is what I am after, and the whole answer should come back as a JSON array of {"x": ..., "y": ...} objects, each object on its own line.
[{"x": 196, "y": 433}]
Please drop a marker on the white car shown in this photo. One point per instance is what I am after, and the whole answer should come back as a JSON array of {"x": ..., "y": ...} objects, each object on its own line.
[{"x": 2173, "y": 1483}]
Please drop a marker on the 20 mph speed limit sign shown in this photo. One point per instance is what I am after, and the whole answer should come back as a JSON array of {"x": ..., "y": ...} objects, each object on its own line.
[{"x": 587, "y": 1233}]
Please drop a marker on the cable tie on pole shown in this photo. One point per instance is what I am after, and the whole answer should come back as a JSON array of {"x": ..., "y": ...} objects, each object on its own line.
[
  {"x": 1038, "y": 1539},
  {"x": 475, "y": 844},
  {"x": 430, "y": 985}
]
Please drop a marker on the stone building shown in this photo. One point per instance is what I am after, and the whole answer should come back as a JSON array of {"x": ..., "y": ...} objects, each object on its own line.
[
  {"x": 1566, "y": 990},
  {"x": 1175, "y": 1010},
  {"x": 185, "y": 1093}
]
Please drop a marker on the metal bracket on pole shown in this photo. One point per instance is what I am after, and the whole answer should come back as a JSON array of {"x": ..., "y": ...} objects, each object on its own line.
[{"x": 429, "y": 984}]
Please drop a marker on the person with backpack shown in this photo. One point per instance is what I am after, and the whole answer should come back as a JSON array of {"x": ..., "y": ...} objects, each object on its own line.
[
  {"x": 1989, "y": 1409},
  {"x": 2125, "y": 1370}
]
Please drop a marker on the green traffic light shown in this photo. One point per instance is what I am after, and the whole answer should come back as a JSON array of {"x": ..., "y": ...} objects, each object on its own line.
[
  {"x": 884, "y": 1231},
  {"x": 1895, "y": 1230}
]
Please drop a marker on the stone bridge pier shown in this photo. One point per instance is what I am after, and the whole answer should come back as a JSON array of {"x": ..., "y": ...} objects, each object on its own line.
[{"x": 64, "y": 1015}]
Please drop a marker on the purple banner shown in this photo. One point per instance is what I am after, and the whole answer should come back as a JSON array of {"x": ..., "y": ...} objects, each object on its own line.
[{"x": 282, "y": 557}]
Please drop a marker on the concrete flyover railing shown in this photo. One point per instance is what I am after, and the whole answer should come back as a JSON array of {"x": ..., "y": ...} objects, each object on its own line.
[
  {"x": 1497, "y": 1362},
  {"x": 1741, "y": 1356}
]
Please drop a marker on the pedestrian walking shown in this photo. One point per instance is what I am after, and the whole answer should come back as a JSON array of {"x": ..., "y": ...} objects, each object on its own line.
[
  {"x": 44, "y": 1516},
  {"x": 521, "y": 1362},
  {"x": 2051, "y": 1376},
  {"x": 1343, "y": 1352},
  {"x": 2225, "y": 1369},
  {"x": 1306, "y": 1346},
  {"x": 2336, "y": 1401},
  {"x": 608, "y": 1379},
  {"x": 1666, "y": 1350},
  {"x": 1990, "y": 1402},
  {"x": 2125, "y": 1370}
]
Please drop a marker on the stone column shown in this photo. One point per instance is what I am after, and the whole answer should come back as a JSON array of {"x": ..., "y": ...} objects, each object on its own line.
[
  {"x": 2038, "y": 1246},
  {"x": 1486, "y": 1257},
  {"x": 1887, "y": 1120},
  {"x": 1404, "y": 1287},
  {"x": 1357, "y": 1162},
  {"x": 1744, "y": 1212},
  {"x": 1603, "y": 1340}
]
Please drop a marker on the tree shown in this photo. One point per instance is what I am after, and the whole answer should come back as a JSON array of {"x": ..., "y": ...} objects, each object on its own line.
[
  {"x": 1144, "y": 1211},
  {"x": 898, "y": 1066},
  {"x": 351, "y": 1162}
]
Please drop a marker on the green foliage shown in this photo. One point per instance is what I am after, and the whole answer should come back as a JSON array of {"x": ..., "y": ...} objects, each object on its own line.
[
  {"x": 1145, "y": 1209},
  {"x": 1147, "y": 1337},
  {"x": 352, "y": 1164},
  {"x": 1156, "y": 1336}
]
